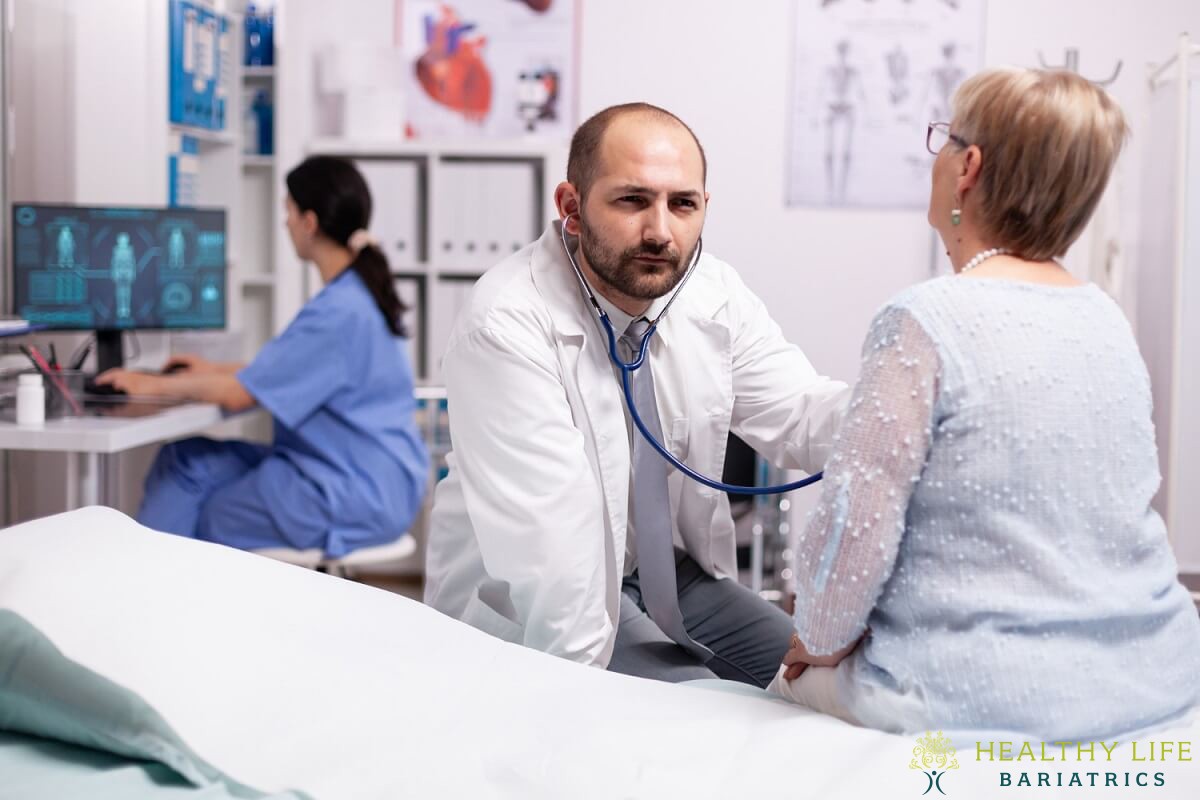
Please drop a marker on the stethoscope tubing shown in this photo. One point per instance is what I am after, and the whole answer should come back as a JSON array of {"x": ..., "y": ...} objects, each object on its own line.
[{"x": 639, "y": 360}]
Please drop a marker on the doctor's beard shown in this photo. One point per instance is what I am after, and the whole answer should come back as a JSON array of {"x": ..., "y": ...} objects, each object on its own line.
[{"x": 620, "y": 270}]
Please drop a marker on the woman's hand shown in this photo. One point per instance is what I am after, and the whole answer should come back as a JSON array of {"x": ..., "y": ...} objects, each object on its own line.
[
  {"x": 218, "y": 386},
  {"x": 134, "y": 383},
  {"x": 196, "y": 365},
  {"x": 797, "y": 658}
]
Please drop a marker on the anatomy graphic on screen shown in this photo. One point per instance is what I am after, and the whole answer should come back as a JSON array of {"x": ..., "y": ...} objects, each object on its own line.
[
  {"x": 124, "y": 270},
  {"x": 66, "y": 247},
  {"x": 175, "y": 249},
  {"x": 113, "y": 268}
]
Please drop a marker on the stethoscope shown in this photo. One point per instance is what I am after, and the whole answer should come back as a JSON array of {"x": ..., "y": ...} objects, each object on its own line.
[{"x": 627, "y": 369}]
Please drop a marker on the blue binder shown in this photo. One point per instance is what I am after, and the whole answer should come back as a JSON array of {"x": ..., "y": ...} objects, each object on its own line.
[{"x": 201, "y": 63}]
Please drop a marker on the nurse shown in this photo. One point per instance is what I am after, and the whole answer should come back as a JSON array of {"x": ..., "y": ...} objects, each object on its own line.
[{"x": 347, "y": 467}]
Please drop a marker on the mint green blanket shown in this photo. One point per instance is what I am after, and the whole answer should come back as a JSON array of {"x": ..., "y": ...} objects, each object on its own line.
[{"x": 67, "y": 732}]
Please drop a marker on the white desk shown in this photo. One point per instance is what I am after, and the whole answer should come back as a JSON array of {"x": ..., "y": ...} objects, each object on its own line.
[{"x": 93, "y": 441}]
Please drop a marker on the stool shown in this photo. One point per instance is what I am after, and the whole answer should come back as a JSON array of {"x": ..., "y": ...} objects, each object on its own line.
[{"x": 398, "y": 550}]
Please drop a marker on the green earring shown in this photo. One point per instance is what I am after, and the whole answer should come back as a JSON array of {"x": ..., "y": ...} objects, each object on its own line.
[{"x": 956, "y": 217}]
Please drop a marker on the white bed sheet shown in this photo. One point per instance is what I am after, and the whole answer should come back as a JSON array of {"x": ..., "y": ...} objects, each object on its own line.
[{"x": 285, "y": 678}]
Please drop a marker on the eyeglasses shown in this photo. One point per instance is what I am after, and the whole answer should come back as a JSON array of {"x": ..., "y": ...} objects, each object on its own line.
[{"x": 939, "y": 134}]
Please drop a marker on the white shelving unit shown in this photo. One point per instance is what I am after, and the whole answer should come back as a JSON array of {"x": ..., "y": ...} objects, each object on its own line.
[
  {"x": 244, "y": 184},
  {"x": 252, "y": 281},
  {"x": 415, "y": 193},
  {"x": 205, "y": 137},
  {"x": 250, "y": 161},
  {"x": 217, "y": 169},
  {"x": 444, "y": 213},
  {"x": 260, "y": 198}
]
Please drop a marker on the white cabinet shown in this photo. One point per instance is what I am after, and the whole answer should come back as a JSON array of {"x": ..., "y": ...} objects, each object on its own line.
[{"x": 445, "y": 213}]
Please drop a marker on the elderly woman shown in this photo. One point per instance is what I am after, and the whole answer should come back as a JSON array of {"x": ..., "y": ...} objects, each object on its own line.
[{"x": 984, "y": 555}]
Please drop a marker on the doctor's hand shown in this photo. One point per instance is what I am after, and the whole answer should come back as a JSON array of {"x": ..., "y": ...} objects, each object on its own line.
[{"x": 797, "y": 658}]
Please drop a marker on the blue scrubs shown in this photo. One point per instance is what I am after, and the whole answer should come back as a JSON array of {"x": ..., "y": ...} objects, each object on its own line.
[{"x": 348, "y": 466}]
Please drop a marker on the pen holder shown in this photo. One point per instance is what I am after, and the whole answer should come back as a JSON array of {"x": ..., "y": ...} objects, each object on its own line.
[{"x": 57, "y": 405}]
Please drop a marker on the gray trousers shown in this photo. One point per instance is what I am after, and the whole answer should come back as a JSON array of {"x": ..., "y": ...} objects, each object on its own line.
[{"x": 747, "y": 634}]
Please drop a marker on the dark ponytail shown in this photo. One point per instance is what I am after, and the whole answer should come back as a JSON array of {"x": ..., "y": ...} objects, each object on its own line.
[{"x": 334, "y": 190}]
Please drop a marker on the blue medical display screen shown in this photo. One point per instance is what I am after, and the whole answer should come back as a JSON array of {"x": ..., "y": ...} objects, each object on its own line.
[{"x": 117, "y": 268}]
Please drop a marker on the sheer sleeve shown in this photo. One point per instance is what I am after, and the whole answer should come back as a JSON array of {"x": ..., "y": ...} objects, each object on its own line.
[{"x": 849, "y": 544}]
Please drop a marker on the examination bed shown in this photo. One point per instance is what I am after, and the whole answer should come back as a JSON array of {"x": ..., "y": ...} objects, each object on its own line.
[{"x": 135, "y": 664}]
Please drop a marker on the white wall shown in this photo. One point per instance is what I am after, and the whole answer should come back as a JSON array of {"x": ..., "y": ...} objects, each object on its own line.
[
  {"x": 43, "y": 166},
  {"x": 725, "y": 69},
  {"x": 1185, "y": 511},
  {"x": 119, "y": 87},
  {"x": 726, "y": 72},
  {"x": 303, "y": 28},
  {"x": 90, "y": 119}
]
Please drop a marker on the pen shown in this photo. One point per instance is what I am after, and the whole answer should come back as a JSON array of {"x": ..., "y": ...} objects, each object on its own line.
[
  {"x": 87, "y": 348},
  {"x": 53, "y": 357}
]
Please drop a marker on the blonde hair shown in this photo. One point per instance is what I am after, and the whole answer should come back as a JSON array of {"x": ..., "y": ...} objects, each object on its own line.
[{"x": 1049, "y": 141}]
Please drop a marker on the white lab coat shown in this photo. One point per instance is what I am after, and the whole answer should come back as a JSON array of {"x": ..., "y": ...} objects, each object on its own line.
[{"x": 527, "y": 537}]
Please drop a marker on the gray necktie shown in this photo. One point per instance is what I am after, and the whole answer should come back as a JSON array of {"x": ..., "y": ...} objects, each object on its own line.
[{"x": 651, "y": 512}]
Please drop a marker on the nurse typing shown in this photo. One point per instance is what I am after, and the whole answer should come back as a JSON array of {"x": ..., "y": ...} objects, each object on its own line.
[{"x": 347, "y": 467}]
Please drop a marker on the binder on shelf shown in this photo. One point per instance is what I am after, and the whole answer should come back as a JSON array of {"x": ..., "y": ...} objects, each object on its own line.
[
  {"x": 473, "y": 212},
  {"x": 448, "y": 296},
  {"x": 17, "y": 326},
  {"x": 486, "y": 209},
  {"x": 515, "y": 192},
  {"x": 201, "y": 63},
  {"x": 450, "y": 215},
  {"x": 183, "y": 170},
  {"x": 413, "y": 288},
  {"x": 397, "y": 215}
]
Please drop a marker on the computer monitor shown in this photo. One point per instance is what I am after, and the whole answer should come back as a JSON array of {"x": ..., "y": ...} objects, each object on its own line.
[{"x": 117, "y": 269}]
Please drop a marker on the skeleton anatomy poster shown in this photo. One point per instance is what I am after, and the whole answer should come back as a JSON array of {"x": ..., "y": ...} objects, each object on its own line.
[
  {"x": 490, "y": 68},
  {"x": 869, "y": 75}
]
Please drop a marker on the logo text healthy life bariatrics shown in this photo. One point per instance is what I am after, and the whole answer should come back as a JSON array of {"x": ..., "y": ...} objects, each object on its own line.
[
  {"x": 1083, "y": 763},
  {"x": 1055, "y": 764}
]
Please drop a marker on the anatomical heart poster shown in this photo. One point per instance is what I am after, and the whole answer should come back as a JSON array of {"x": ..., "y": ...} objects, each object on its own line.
[
  {"x": 499, "y": 69},
  {"x": 868, "y": 77}
]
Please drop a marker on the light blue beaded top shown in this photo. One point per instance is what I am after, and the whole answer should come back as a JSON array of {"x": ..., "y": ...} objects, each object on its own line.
[{"x": 986, "y": 513}]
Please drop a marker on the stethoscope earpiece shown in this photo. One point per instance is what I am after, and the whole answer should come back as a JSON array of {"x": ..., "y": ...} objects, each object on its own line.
[{"x": 567, "y": 221}]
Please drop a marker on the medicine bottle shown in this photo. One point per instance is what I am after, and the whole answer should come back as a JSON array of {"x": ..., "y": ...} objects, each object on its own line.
[{"x": 31, "y": 400}]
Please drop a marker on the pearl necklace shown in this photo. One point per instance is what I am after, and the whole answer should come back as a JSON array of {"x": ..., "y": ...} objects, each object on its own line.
[{"x": 984, "y": 256}]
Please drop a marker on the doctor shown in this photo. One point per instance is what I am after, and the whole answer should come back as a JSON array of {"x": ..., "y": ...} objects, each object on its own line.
[
  {"x": 558, "y": 527},
  {"x": 347, "y": 468}
]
